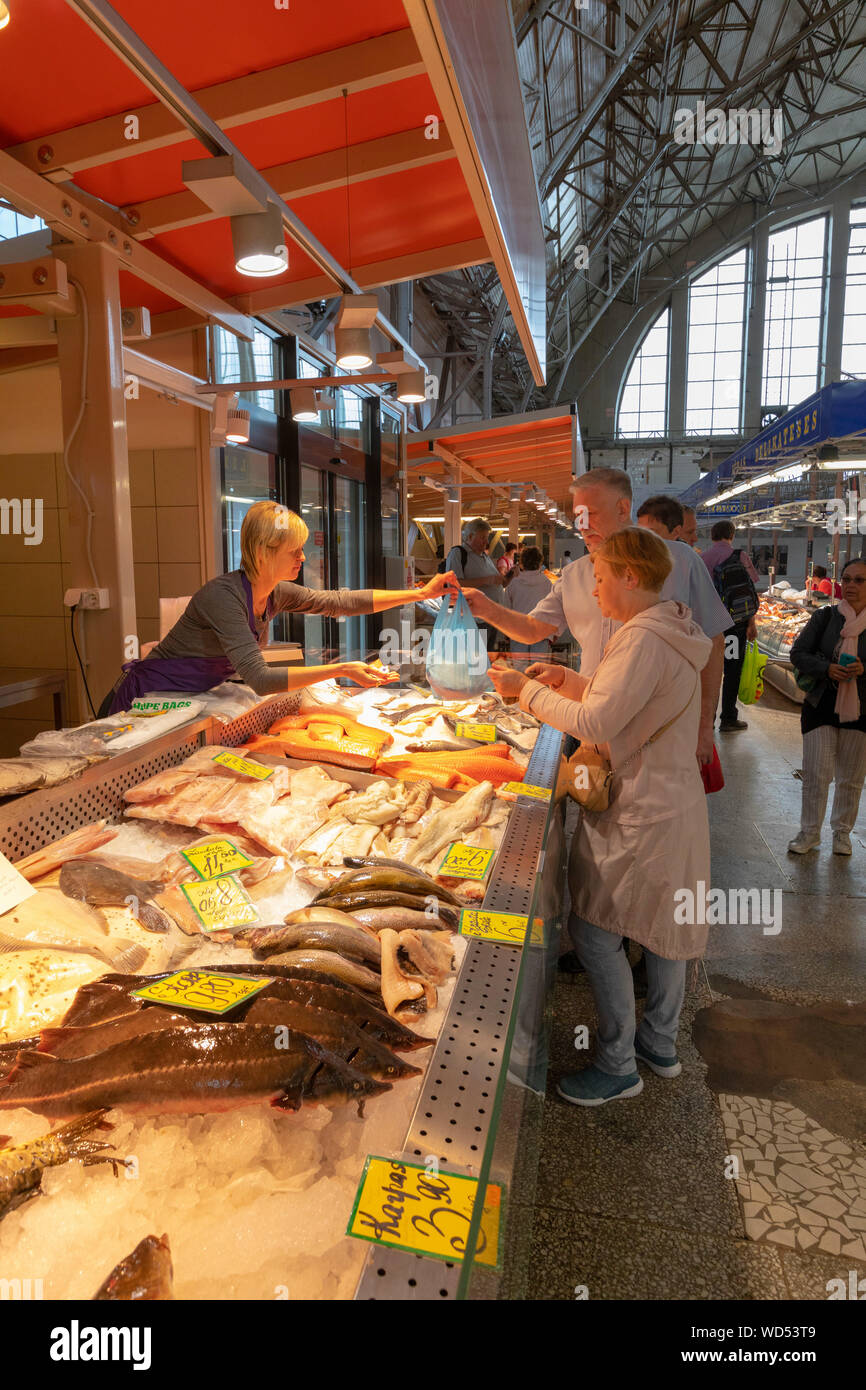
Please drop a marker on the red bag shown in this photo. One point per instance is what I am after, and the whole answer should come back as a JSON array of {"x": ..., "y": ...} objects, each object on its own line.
[{"x": 711, "y": 773}]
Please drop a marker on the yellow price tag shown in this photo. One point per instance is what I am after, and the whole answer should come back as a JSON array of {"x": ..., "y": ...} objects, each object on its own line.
[
  {"x": 220, "y": 904},
  {"x": 409, "y": 1207},
  {"x": 482, "y": 733},
  {"x": 507, "y": 928},
  {"x": 216, "y": 857},
  {"x": 527, "y": 789},
  {"x": 465, "y": 861},
  {"x": 200, "y": 989},
  {"x": 244, "y": 766}
]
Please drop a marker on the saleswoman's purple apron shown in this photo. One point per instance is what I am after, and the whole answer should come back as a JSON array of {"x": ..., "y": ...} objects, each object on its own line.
[{"x": 189, "y": 673}]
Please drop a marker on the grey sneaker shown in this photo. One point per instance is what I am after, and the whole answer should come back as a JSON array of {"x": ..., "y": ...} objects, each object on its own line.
[
  {"x": 802, "y": 843},
  {"x": 841, "y": 842}
]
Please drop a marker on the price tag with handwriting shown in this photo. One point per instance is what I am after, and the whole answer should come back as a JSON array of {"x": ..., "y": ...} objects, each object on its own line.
[
  {"x": 200, "y": 989},
  {"x": 215, "y": 858},
  {"x": 220, "y": 904},
  {"x": 507, "y": 928},
  {"x": 465, "y": 861},
  {"x": 481, "y": 733},
  {"x": 244, "y": 766},
  {"x": 409, "y": 1207},
  {"x": 527, "y": 789}
]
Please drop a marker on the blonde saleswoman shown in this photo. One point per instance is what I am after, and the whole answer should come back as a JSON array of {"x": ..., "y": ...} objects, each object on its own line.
[
  {"x": 630, "y": 863},
  {"x": 224, "y": 626}
]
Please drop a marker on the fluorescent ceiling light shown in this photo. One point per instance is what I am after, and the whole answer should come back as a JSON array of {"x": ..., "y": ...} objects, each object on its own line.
[
  {"x": 780, "y": 475},
  {"x": 238, "y": 427},
  {"x": 842, "y": 465},
  {"x": 259, "y": 246}
]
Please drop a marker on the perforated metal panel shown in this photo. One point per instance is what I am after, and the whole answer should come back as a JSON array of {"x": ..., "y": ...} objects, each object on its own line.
[{"x": 452, "y": 1120}]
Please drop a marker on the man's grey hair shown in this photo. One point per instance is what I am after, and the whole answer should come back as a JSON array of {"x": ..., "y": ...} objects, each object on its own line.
[
  {"x": 473, "y": 527},
  {"x": 614, "y": 478}
]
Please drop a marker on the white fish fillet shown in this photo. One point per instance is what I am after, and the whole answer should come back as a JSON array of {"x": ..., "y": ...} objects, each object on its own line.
[
  {"x": 163, "y": 784},
  {"x": 314, "y": 850},
  {"x": 312, "y": 785},
  {"x": 452, "y": 822},
  {"x": 37, "y": 988}
]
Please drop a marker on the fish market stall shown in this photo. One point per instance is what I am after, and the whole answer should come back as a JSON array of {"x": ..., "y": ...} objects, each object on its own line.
[{"x": 355, "y": 966}]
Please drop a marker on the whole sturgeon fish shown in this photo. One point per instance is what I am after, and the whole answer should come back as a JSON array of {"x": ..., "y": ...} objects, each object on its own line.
[
  {"x": 189, "y": 1070},
  {"x": 335, "y": 1032},
  {"x": 100, "y": 886}
]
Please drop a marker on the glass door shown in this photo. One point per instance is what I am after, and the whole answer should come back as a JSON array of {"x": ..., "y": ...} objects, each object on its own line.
[
  {"x": 319, "y": 637},
  {"x": 350, "y": 543}
]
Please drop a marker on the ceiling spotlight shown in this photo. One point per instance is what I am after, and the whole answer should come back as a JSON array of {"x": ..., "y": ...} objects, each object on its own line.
[
  {"x": 304, "y": 404},
  {"x": 412, "y": 388},
  {"x": 238, "y": 427},
  {"x": 259, "y": 246},
  {"x": 352, "y": 331}
]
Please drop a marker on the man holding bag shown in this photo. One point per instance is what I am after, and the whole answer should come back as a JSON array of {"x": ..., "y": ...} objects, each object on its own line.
[{"x": 735, "y": 578}]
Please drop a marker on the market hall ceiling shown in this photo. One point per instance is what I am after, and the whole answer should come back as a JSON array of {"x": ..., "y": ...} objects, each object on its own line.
[
  {"x": 339, "y": 107},
  {"x": 600, "y": 85}
]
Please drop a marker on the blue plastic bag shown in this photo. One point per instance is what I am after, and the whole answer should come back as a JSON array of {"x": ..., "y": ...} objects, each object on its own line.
[{"x": 457, "y": 655}]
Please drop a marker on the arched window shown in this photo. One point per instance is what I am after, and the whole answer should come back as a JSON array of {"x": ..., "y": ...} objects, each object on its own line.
[
  {"x": 714, "y": 369},
  {"x": 643, "y": 403},
  {"x": 854, "y": 323},
  {"x": 796, "y": 259}
]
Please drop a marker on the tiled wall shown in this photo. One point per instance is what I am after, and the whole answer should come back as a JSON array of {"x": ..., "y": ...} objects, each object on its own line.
[{"x": 34, "y": 625}]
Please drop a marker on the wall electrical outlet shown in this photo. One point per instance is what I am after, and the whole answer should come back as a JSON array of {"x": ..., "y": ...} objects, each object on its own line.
[{"x": 93, "y": 598}]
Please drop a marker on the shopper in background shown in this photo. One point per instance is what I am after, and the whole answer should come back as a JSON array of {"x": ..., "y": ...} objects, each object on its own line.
[
  {"x": 662, "y": 514},
  {"x": 507, "y": 561},
  {"x": 735, "y": 578},
  {"x": 821, "y": 583},
  {"x": 629, "y": 864},
  {"x": 470, "y": 561},
  {"x": 831, "y": 653},
  {"x": 528, "y": 587},
  {"x": 689, "y": 529}
]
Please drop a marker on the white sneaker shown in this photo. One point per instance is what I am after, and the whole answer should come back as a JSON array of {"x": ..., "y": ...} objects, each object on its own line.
[
  {"x": 802, "y": 843},
  {"x": 841, "y": 842}
]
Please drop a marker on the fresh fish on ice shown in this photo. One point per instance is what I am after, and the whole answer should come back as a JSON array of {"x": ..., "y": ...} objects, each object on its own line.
[
  {"x": 452, "y": 822},
  {"x": 103, "y": 887},
  {"x": 22, "y": 1165},
  {"x": 144, "y": 1276},
  {"x": 49, "y": 919}
]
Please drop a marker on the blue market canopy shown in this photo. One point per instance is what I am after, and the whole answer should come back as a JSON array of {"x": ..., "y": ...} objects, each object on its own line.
[{"x": 832, "y": 415}]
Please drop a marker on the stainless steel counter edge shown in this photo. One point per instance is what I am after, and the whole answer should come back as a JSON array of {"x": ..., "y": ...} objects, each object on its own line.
[{"x": 454, "y": 1111}]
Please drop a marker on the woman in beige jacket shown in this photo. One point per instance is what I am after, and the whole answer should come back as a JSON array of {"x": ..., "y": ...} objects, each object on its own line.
[{"x": 630, "y": 864}]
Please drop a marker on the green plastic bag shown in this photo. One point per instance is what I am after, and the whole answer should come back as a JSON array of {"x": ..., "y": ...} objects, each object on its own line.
[{"x": 751, "y": 676}]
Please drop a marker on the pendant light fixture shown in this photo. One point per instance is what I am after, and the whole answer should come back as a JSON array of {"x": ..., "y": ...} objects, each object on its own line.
[
  {"x": 410, "y": 373},
  {"x": 306, "y": 405},
  {"x": 352, "y": 331},
  {"x": 238, "y": 427},
  {"x": 4, "y": 15},
  {"x": 259, "y": 245}
]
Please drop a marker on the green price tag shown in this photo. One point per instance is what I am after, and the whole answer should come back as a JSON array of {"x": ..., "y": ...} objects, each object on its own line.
[
  {"x": 466, "y": 861},
  {"x": 215, "y": 858},
  {"x": 220, "y": 904}
]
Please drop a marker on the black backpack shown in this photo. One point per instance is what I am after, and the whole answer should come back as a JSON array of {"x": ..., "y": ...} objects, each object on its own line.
[
  {"x": 735, "y": 589},
  {"x": 440, "y": 568}
]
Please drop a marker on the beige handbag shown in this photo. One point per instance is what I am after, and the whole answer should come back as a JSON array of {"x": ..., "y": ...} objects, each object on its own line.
[{"x": 590, "y": 778}]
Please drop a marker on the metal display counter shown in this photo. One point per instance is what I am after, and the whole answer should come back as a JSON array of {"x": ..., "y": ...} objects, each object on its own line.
[{"x": 481, "y": 1098}]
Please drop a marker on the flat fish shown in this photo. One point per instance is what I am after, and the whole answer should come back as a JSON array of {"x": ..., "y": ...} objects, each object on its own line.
[
  {"x": 353, "y": 942},
  {"x": 48, "y": 919},
  {"x": 104, "y": 887},
  {"x": 189, "y": 1070},
  {"x": 333, "y": 964},
  {"x": 37, "y": 986},
  {"x": 144, "y": 1276}
]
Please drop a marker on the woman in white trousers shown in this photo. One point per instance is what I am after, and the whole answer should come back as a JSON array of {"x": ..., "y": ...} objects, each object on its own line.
[{"x": 829, "y": 657}]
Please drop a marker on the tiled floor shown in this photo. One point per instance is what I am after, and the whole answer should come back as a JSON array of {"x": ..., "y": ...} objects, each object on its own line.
[{"x": 745, "y": 1178}]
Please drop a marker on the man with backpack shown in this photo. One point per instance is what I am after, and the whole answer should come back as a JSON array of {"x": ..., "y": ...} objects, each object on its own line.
[{"x": 735, "y": 578}]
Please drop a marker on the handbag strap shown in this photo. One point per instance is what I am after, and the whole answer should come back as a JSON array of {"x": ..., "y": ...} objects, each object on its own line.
[{"x": 663, "y": 728}]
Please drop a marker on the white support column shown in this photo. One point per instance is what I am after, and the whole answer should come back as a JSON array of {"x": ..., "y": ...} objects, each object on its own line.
[
  {"x": 831, "y": 364},
  {"x": 98, "y": 459},
  {"x": 755, "y": 329}
]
